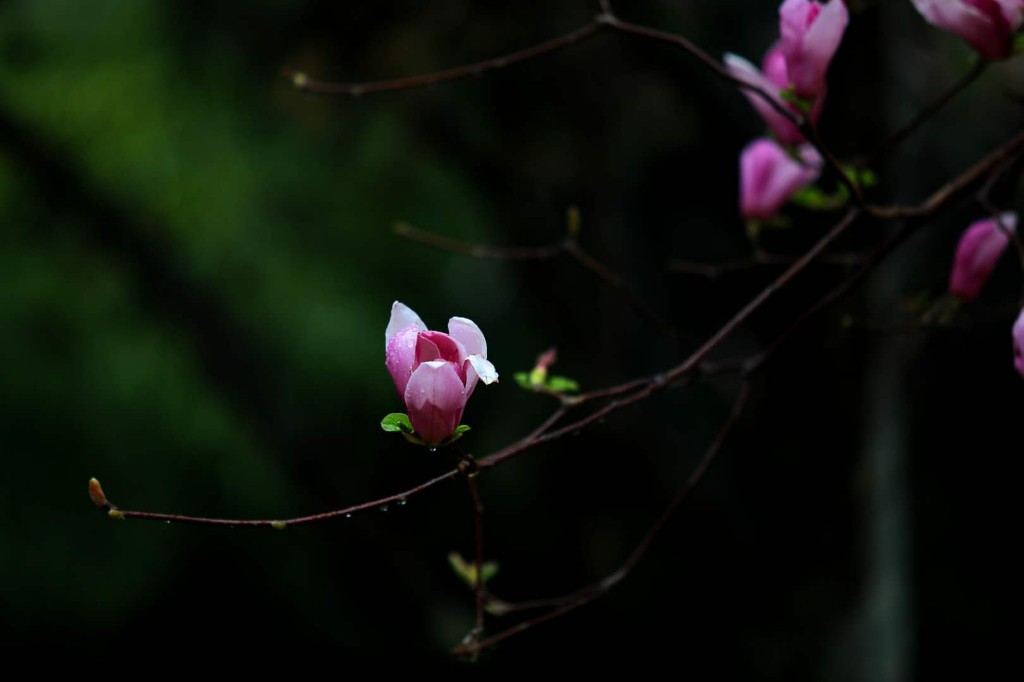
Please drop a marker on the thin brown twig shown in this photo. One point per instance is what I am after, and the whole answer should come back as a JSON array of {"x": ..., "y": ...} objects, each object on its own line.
[
  {"x": 303, "y": 82},
  {"x": 118, "y": 513},
  {"x": 606, "y": 18},
  {"x": 574, "y": 600},
  {"x": 1012, "y": 148},
  {"x": 478, "y": 543}
]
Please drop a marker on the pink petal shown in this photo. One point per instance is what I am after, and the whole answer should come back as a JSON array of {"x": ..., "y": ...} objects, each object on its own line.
[
  {"x": 469, "y": 335},
  {"x": 484, "y": 369},
  {"x": 400, "y": 356},
  {"x": 439, "y": 346},
  {"x": 769, "y": 177},
  {"x": 977, "y": 253},
  {"x": 810, "y": 35},
  {"x": 1018, "y": 344},
  {"x": 435, "y": 398},
  {"x": 985, "y": 24},
  {"x": 781, "y": 127},
  {"x": 402, "y": 317},
  {"x": 773, "y": 64}
]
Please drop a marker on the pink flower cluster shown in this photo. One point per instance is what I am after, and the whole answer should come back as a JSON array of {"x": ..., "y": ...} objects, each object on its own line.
[
  {"x": 809, "y": 35},
  {"x": 435, "y": 373}
]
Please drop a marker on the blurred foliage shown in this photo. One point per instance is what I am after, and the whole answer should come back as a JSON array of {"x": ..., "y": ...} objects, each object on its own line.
[{"x": 198, "y": 264}]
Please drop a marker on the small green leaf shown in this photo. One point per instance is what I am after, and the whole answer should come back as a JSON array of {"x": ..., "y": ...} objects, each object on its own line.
[
  {"x": 810, "y": 197},
  {"x": 488, "y": 570},
  {"x": 523, "y": 379},
  {"x": 396, "y": 422},
  {"x": 1018, "y": 42},
  {"x": 562, "y": 385},
  {"x": 456, "y": 434},
  {"x": 466, "y": 570}
]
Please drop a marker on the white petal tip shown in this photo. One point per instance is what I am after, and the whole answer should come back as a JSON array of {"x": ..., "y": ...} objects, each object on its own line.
[{"x": 484, "y": 369}]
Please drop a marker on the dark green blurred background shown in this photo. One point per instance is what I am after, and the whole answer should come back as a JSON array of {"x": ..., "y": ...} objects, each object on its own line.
[{"x": 198, "y": 264}]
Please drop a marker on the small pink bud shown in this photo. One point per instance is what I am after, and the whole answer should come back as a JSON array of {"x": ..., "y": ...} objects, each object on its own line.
[
  {"x": 435, "y": 373},
  {"x": 1018, "y": 344},
  {"x": 769, "y": 177},
  {"x": 988, "y": 25},
  {"x": 977, "y": 252},
  {"x": 810, "y": 33}
]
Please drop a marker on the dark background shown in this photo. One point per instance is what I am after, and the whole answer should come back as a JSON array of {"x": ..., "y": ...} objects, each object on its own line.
[{"x": 198, "y": 263}]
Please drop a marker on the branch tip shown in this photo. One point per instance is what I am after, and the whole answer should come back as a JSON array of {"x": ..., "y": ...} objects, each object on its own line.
[{"x": 97, "y": 496}]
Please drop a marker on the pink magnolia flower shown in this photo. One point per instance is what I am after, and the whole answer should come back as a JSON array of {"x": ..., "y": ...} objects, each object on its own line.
[
  {"x": 810, "y": 34},
  {"x": 988, "y": 25},
  {"x": 977, "y": 252},
  {"x": 1018, "y": 344},
  {"x": 435, "y": 373},
  {"x": 773, "y": 78},
  {"x": 769, "y": 177}
]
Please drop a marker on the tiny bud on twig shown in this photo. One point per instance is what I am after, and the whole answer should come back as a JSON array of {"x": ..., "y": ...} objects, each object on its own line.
[{"x": 96, "y": 494}]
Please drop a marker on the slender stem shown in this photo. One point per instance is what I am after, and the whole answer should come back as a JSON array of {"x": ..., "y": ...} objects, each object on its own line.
[
  {"x": 116, "y": 512},
  {"x": 307, "y": 84},
  {"x": 897, "y": 138},
  {"x": 478, "y": 541},
  {"x": 548, "y": 423}
]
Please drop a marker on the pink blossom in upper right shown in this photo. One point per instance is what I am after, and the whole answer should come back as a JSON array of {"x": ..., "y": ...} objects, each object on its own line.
[
  {"x": 1018, "y": 344},
  {"x": 977, "y": 252},
  {"x": 769, "y": 177},
  {"x": 988, "y": 25}
]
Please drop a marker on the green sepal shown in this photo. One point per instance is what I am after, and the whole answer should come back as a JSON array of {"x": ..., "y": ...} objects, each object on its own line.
[
  {"x": 803, "y": 105},
  {"x": 456, "y": 434},
  {"x": 396, "y": 422},
  {"x": 1018, "y": 43}
]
